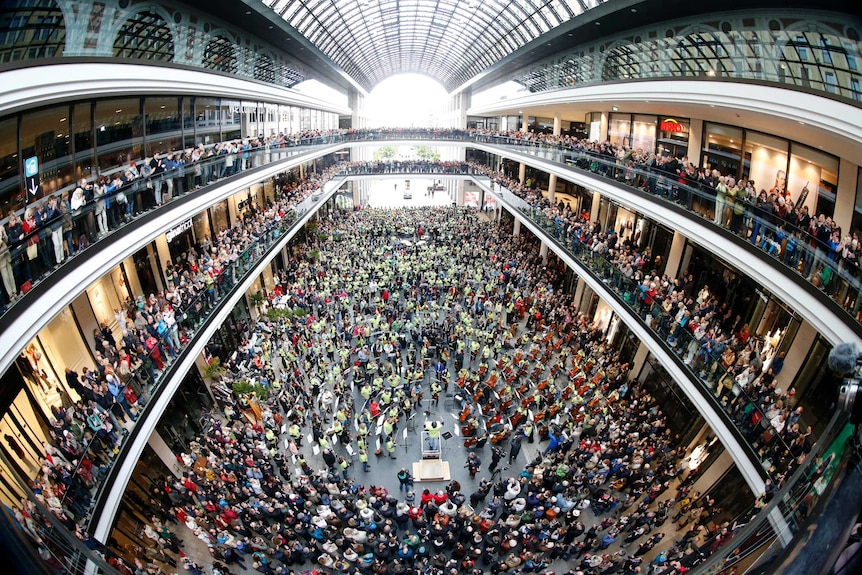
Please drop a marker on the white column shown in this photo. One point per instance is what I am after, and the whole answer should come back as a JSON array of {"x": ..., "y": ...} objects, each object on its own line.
[
  {"x": 558, "y": 125},
  {"x": 845, "y": 197},
  {"x": 552, "y": 188},
  {"x": 543, "y": 251},
  {"x": 674, "y": 258},
  {"x": 516, "y": 230},
  {"x": 639, "y": 360},
  {"x": 594, "y": 210},
  {"x": 165, "y": 454},
  {"x": 522, "y": 173},
  {"x": 796, "y": 355},
  {"x": 579, "y": 293},
  {"x": 695, "y": 141}
]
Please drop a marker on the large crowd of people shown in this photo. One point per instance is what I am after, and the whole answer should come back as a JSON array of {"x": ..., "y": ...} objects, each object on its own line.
[
  {"x": 398, "y": 309},
  {"x": 701, "y": 326},
  {"x": 58, "y": 226},
  {"x": 442, "y": 309},
  {"x": 88, "y": 424}
]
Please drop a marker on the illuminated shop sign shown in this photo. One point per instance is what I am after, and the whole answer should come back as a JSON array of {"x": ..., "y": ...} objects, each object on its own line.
[{"x": 671, "y": 125}]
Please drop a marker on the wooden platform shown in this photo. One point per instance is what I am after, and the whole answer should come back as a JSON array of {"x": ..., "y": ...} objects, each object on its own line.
[{"x": 431, "y": 470}]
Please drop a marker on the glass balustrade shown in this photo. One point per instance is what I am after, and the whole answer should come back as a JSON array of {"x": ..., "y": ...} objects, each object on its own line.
[{"x": 792, "y": 248}]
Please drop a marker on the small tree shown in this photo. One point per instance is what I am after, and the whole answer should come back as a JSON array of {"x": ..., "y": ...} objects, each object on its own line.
[
  {"x": 385, "y": 153},
  {"x": 257, "y": 300},
  {"x": 426, "y": 153},
  {"x": 214, "y": 369},
  {"x": 243, "y": 387}
]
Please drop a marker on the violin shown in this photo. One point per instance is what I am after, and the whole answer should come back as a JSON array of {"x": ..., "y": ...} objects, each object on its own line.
[{"x": 464, "y": 414}]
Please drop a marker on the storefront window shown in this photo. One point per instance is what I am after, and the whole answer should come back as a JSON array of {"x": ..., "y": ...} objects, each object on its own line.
[
  {"x": 45, "y": 135},
  {"x": 294, "y": 120},
  {"x": 10, "y": 197},
  {"x": 220, "y": 215},
  {"x": 201, "y": 225},
  {"x": 765, "y": 162},
  {"x": 82, "y": 126},
  {"x": 188, "y": 113},
  {"x": 118, "y": 132},
  {"x": 231, "y": 120},
  {"x": 722, "y": 149},
  {"x": 62, "y": 350},
  {"x": 643, "y": 133},
  {"x": 673, "y": 137},
  {"x": 207, "y": 120},
  {"x": 251, "y": 119},
  {"x": 164, "y": 128},
  {"x": 620, "y": 129},
  {"x": 284, "y": 120},
  {"x": 815, "y": 172}
]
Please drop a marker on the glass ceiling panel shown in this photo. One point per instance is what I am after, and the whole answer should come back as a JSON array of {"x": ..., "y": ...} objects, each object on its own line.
[{"x": 450, "y": 40}]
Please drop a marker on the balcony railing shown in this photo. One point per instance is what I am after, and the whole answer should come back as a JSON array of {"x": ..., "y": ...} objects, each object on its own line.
[{"x": 790, "y": 247}]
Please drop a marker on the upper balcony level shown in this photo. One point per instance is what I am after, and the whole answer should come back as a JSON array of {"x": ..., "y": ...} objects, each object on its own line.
[
  {"x": 806, "y": 50},
  {"x": 164, "y": 34}
]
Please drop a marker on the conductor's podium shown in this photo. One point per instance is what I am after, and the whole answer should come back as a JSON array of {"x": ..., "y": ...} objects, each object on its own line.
[
  {"x": 431, "y": 467},
  {"x": 431, "y": 470}
]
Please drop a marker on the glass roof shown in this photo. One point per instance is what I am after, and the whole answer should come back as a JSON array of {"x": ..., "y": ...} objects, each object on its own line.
[{"x": 450, "y": 40}]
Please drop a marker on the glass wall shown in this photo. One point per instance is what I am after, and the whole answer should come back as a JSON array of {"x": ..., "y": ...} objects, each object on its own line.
[
  {"x": 620, "y": 129},
  {"x": 643, "y": 133},
  {"x": 673, "y": 137},
  {"x": 45, "y": 135},
  {"x": 722, "y": 148},
  {"x": 765, "y": 162},
  {"x": 803, "y": 175},
  {"x": 10, "y": 187},
  {"x": 82, "y": 127},
  {"x": 815, "y": 172},
  {"x": 119, "y": 132},
  {"x": 163, "y": 121},
  {"x": 638, "y": 132}
]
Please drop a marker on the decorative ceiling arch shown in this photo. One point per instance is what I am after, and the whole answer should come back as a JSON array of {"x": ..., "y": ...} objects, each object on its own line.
[{"x": 449, "y": 40}]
